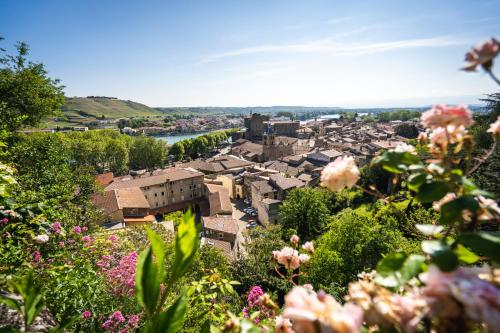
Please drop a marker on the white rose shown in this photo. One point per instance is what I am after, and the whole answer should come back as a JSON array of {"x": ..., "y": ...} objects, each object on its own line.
[{"x": 340, "y": 174}]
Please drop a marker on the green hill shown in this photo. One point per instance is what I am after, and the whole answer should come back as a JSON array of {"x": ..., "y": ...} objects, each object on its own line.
[
  {"x": 109, "y": 107},
  {"x": 85, "y": 111}
]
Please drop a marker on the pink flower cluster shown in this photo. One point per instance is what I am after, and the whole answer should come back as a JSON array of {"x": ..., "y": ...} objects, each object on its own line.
[
  {"x": 86, "y": 314},
  {"x": 4, "y": 220},
  {"x": 116, "y": 323},
  {"x": 253, "y": 298},
  {"x": 258, "y": 300},
  {"x": 56, "y": 227},
  {"x": 121, "y": 278}
]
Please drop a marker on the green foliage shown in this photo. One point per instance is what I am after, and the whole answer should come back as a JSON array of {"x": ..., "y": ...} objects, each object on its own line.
[
  {"x": 178, "y": 150},
  {"x": 151, "y": 274},
  {"x": 147, "y": 153},
  {"x": 27, "y": 93},
  {"x": 354, "y": 243},
  {"x": 305, "y": 211},
  {"x": 398, "y": 115},
  {"x": 200, "y": 145},
  {"x": 257, "y": 265}
]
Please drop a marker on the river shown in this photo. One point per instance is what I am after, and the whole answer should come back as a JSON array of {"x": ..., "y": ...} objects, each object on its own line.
[{"x": 171, "y": 139}]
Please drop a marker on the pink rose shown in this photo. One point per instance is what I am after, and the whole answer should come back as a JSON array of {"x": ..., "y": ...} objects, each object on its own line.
[
  {"x": 77, "y": 230},
  {"x": 294, "y": 239},
  {"x": 442, "y": 115},
  {"x": 304, "y": 308},
  {"x": 304, "y": 258},
  {"x": 482, "y": 54},
  {"x": 283, "y": 325},
  {"x": 308, "y": 246},
  {"x": 441, "y": 137},
  {"x": 288, "y": 257}
]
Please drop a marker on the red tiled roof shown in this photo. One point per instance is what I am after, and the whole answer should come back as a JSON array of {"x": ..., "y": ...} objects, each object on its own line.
[
  {"x": 104, "y": 178},
  {"x": 224, "y": 223}
]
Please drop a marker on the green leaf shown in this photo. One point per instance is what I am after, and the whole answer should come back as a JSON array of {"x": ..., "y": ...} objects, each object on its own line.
[
  {"x": 146, "y": 278},
  {"x": 395, "y": 162},
  {"x": 465, "y": 255},
  {"x": 64, "y": 324},
  {"x": 398, "y": 268},
  {"x": 10, "y": 302},
  {"x": 432, "y": 191},
  {"x": 429, "y": 229},
  {"x": 187, "y": 244},
  {"x": 452, "y": 211},
  {"x": 171, "y": 320},
  {"x": 415, "y": 180},
  {"x": 483, "y": 243},
  {"x": 32, "y": 297},
  {"x": 158, "y": 248},
  {"x": 441, "y": 254}
]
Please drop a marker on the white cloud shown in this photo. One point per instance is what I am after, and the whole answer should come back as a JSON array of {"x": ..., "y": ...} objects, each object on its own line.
[
  {"x": 336, "y": 48},
  {"x": 338, "y": 20}
]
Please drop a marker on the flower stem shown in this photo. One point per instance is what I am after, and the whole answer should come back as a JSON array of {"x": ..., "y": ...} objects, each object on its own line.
[{"x": 490, "y": 72}]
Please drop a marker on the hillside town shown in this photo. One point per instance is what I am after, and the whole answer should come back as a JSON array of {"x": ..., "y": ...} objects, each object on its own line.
[{"x": 244, "y": 185}]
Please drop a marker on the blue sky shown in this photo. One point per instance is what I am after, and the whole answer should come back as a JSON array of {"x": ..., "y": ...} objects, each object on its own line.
[{"x": 249, "y": 53}]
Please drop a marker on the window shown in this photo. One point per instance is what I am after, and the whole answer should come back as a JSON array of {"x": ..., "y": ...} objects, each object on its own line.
[
  {"x": 181, "y": 189},
  {"x": 156, "y": 194},
  {"x": 146, "y": 196},
  {"x": 172, "y": 191},
  {"x": 162, "y": 193},
  {"x": 156, "y": 204},
  {"x": 190, "y": 187},
  {"x": 191, "y": 196},
  {"x": 221, "y": 235}
]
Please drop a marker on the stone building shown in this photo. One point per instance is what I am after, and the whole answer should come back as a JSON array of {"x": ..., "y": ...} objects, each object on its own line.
[
  {"x": 283, "y": 127},
  {"x": 165, "y": 190},
  {"x": 255, "y": 126},
  {"x": 126, "y": 206}
]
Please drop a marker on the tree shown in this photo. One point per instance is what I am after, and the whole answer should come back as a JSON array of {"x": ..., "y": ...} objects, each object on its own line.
[
  {"x": 304, "y": 210},
  {"x": 116, "y": 153},
  {"x": 147, "y": 153},
  {"x": 43, "y": 163},
  {"x": 257, "y": 265},
  {"x": 200, "y": 145},
  {"x": 178, "y": 150},
  {"x": 354, "y": 243},
  {"x": 408, "y": 131},
  {"x": 27, "y": 94}
]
